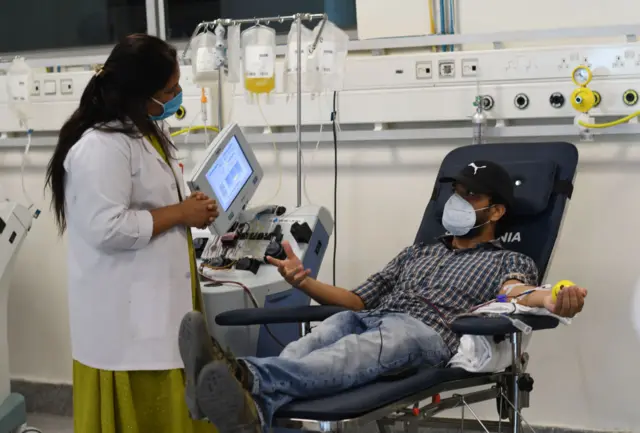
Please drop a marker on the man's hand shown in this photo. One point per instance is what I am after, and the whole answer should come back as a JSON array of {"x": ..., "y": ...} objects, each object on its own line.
[
  {"x": 569, "y": 302},
  {"x": 290, "y": 268}
]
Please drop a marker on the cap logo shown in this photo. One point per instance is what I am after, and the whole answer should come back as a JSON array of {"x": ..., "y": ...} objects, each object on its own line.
[{"x": 476, "y": 168}]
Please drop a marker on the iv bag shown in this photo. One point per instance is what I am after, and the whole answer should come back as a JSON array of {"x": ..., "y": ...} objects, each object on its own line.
[
  {"x": 330, "y": 57},
  {"x": 203, "y": 59},
  {"x": 259, "y": 47},
  {"x": 19, "y": 84},
  {"x": 233, "y": 53},
  {"x": 291, "y": 59}
]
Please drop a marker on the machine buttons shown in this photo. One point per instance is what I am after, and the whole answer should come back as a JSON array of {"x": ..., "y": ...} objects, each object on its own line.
[
  {"x": 248, "y": 264},
  {"x": 198, "y": 246},
  {"x": 301, "y": 232},
  {"x": 275, "y": 250},
  {"x": 277, "y": 234},
  {"x": 12, "y": 237},
  {"x": 2, "y": 225},
  {"x": 229, "y": 240}
]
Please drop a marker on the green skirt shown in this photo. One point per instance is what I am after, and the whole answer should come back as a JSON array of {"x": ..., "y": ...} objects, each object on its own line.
[{"x": 131, "y": 402}]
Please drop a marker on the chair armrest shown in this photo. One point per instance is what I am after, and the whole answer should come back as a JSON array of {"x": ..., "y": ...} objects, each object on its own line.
[
  {"x": 500, "y": 325},
  {"x": 266, "y": 316}
]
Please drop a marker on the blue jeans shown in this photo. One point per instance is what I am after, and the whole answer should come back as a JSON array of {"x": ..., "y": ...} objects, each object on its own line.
[{"x": 346, "y": 350}]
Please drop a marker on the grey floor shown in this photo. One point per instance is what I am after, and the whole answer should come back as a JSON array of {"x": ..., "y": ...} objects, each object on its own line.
[{"x": 50, "y": 423}]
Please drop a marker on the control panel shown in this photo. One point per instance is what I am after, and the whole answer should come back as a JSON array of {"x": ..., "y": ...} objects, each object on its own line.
[
  {"x": 246, "y": 245},
  {"x": 235, "y": 274}
]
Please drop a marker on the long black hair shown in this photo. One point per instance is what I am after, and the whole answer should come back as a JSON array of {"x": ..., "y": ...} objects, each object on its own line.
[{"x": 115, "y": 100}]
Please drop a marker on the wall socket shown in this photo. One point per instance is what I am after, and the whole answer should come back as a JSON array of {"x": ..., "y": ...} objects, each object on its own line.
[
  {"x": 447, "y": 68},
  {"x": 66, "y": 87},
  {"x": 469, "y": 67},
  {"x": 424, "y": 70},
  {"x": 35, "y": 88}
]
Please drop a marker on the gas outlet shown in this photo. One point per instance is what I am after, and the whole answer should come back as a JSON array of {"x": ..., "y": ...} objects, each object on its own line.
[{"x": 521, "y": 101}]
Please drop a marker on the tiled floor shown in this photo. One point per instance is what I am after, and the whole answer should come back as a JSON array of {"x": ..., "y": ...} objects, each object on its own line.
[{"x": 50, "y": 423}]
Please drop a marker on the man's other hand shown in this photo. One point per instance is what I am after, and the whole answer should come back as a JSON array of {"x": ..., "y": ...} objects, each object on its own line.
[
  {"x": 569, "y": 302},
  {"x": 290, "y": 268}
]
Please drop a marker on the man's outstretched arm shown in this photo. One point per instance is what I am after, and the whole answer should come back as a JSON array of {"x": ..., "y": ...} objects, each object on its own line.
[
  {"x": 294, "y": 273},
  {"x": 569, "y": 302},
  {"x": 521, "y": 276},
  {"x": 326, "y": 294},
  {"x": 368, "y": 295}
]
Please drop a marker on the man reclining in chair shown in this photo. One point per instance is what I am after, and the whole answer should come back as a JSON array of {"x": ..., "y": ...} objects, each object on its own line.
[{"x": 398, "y": 320}]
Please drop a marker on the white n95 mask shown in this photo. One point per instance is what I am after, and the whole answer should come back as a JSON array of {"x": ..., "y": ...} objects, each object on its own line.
[{"x": 459, "y": 216}]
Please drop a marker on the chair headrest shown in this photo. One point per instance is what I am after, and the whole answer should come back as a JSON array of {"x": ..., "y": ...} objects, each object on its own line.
[
  {"x": 533, "y": 184},
  {"x": 542, "y": 175}
]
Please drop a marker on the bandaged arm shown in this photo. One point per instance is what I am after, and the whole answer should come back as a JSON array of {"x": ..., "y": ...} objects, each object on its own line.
[
  {"x": 520, "y": 283},
  {"x": 514, "y": 289},
  {"x": 520, "y": 275}
]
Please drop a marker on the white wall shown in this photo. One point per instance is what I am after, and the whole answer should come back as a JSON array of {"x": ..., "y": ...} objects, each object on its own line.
[{"x": 585, "y": 374}]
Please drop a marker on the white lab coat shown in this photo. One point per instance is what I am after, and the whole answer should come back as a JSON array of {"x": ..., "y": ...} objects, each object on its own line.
[{"x": 127, "y": 292}]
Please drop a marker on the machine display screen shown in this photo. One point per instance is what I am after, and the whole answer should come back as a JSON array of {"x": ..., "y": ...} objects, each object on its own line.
[{"x": 229, "y": 173}]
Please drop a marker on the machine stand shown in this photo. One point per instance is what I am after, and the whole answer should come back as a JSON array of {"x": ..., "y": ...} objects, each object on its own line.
[
  {"x": 13, "y": 413},
  {"x": 517, "y": 367}
]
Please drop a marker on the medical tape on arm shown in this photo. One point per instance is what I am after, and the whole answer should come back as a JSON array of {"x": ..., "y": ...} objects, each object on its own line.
[
  {"x": 519, "y": 296},
  {"x": 510, "y": 287}
]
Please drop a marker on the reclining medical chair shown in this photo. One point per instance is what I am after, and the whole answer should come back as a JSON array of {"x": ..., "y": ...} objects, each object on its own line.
[{"x": 543, "y": 176}]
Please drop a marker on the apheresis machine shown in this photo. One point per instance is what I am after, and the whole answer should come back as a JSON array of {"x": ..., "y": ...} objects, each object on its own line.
[
  {"x": 232, "y": 252},
  {"x": 15, "y": 222}
]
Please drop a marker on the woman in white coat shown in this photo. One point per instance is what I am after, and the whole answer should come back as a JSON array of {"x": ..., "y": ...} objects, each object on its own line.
[{"x": 118, "y": 192}]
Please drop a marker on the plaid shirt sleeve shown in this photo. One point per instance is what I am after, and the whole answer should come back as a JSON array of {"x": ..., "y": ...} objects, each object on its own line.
[
  {"x": 381, "y": 283},
  {"x": 519, "y": 267}
]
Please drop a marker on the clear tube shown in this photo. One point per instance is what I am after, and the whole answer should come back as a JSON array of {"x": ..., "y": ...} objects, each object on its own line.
[{"x": 22, "y": 167}]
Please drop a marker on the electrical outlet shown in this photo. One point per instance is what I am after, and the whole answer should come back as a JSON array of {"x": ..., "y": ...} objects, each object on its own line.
[
  {"x": 50, "y": 87},
  {"x": 447, "y": 68},
  {"x": 35, "y": 88},
  {"x": 424, "y": 70},
  {"x": 469, "y": 67},
  {"x": 66, "y": 87}
]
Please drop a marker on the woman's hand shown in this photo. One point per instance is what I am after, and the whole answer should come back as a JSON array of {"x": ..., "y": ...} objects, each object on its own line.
[{"x": 198, "y": 210}]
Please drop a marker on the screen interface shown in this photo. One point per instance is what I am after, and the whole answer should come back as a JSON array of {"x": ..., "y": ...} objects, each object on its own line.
[{"x": 229, "y": 173}]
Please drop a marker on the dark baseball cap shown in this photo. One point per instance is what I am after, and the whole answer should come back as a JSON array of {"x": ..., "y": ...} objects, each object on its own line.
[{"x": 485, "y": 177}]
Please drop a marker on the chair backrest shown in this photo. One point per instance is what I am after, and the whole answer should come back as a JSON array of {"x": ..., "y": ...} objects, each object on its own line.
[{"x": 543, "y": 176}]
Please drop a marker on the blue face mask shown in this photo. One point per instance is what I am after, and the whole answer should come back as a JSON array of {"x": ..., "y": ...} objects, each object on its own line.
[{"x": 169, "y": 108}]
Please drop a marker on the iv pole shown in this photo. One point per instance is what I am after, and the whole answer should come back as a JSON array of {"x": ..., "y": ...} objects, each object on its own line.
[{"x": 298, "y": 18}]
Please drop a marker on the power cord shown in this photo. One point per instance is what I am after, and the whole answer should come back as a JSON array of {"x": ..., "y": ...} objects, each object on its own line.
[{"x": 334, "y": 116}]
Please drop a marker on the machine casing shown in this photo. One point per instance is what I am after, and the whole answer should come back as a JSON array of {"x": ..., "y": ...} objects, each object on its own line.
[
  {"x": 15, "y": 222},
  {"x": 267, "y": 285}
]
